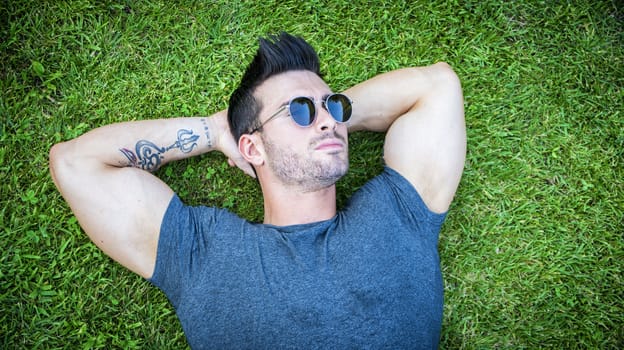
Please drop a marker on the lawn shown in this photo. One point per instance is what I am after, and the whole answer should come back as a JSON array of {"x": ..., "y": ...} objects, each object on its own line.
[{"x": 532, "y": 250}]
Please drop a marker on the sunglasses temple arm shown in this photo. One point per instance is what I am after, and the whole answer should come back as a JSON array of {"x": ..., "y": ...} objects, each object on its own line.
[
  {"x": 268, "y": 120},
  {"x": 273, "y": 116}
]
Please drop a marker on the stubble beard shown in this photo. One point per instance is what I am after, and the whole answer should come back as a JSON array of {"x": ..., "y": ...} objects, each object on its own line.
[{"x": 304, "y": 171}]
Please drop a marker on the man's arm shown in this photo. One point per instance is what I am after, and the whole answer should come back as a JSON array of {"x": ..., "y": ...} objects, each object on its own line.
[
  {"x": 422, "y": 111},
  {"x": 104, "y": 175}
]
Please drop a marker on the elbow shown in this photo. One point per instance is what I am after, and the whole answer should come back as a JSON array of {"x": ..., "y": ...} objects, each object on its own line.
[
  {"x": 57, "y": 152},
  {"x": 58, "y": 159},
  {"x": 438, "y": 78},
  {"x": 445, "y": 83},
  {"x": 443, "y": 66},
  {"x": 446, "y": 76}
]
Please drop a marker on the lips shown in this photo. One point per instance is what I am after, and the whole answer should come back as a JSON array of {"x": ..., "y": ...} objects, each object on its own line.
[{"x": 329, "y": 144}]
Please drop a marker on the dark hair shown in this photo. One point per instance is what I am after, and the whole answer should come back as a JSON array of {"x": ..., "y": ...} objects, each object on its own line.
[{"x": 275, "y": 55}]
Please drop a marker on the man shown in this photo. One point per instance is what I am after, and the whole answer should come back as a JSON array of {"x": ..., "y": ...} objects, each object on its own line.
[{"x": 309, "y": 276}]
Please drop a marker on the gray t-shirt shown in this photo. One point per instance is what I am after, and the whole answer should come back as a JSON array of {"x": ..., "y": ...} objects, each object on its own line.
[{"x": 368, "y": 278}]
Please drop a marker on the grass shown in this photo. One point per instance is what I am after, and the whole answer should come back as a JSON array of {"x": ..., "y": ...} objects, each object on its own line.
[{"x": 532, "y": 250}]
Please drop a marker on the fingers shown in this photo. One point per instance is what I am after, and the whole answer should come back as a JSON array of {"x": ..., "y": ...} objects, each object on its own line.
[
  {"x": 243, "y": 165},
  {"x": 247, "y": 169}
]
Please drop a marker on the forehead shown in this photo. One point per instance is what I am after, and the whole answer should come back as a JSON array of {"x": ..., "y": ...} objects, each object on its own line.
[{"x": 284, "y": 86}]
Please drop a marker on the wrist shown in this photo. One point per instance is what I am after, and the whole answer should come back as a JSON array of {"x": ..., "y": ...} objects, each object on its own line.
[{"x": 216, "y": 130}]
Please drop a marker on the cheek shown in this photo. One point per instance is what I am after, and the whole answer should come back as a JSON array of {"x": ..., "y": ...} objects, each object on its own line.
[
  {"x": 342, "y": 131},
  {"x": 291, "y": 142}
]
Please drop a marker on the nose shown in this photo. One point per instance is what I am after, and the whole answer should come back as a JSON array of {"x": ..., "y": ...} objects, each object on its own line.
[{"x": 324, "y": 120}]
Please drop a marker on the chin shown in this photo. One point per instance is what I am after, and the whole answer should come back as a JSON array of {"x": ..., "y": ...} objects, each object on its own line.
[{"x": 338, "y": 171}]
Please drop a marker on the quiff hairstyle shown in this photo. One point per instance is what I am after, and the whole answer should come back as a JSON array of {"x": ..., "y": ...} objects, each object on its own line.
[{"x": 276, "y": 54}]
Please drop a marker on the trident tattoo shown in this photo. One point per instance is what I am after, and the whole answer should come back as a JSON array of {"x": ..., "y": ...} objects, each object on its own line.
[{"x": 149, "y": 156}]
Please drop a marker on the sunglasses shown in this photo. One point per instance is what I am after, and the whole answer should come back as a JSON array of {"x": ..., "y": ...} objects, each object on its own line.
[{"x": 303, "y": 110}]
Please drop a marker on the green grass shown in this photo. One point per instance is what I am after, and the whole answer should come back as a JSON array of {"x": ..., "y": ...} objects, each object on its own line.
[{"x": 532, "y": 250}]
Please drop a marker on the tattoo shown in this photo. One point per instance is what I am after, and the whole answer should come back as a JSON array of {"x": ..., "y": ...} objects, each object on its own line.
[
  {"x": 149, "y": 156},
  {"x": 132, "y": 159},
  {"x": 186, "y": 141},
  {"x": 207, "y": 132}
]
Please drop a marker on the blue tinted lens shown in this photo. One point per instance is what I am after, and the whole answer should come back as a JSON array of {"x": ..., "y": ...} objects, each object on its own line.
[
  {"x": 302, "y": 110},
  {"x": 339, "y": 106}
]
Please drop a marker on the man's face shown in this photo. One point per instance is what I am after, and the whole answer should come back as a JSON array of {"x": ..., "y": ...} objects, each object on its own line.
[{"x": 312, "y": 157}]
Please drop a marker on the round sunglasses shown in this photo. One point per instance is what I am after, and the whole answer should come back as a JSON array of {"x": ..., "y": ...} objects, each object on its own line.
[{"x": 303, "y": 110}]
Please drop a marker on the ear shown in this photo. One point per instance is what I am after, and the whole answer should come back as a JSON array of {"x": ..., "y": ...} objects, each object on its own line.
[{"x": 250, "y": 147}]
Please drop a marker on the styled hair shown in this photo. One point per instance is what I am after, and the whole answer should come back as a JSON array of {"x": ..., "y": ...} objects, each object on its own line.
[{"x": 276, "y": 54}]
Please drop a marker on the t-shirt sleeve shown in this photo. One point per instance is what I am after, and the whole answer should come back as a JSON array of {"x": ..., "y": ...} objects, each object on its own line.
[
  {"x": 184, "y": 235},
  {"x": 391, "y": 194}
]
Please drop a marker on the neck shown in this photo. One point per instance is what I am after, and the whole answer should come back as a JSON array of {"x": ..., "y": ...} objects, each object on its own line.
[{"x": 285, "y": 206}]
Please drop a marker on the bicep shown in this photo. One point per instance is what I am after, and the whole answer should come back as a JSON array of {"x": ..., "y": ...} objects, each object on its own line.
[
  {"x": 120, "y": 209},
  {"x": 427, "y": 144}
]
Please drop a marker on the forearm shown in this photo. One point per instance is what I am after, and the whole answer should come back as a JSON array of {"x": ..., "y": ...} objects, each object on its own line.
[
  {"x": 147, "y": 144},
  {"x": 378, "y": 102}
]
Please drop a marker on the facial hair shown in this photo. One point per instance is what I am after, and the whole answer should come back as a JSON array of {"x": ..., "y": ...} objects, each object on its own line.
[{"x": 303, "y": 170}]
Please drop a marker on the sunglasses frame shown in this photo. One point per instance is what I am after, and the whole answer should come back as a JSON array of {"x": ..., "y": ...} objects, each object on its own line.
[{"x": 287, "y": 106}]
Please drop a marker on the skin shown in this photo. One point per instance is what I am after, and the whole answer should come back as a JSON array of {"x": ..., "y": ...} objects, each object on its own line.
[
  {"x": 105, "y": 175},
  {"x": 321, "y": 145}
]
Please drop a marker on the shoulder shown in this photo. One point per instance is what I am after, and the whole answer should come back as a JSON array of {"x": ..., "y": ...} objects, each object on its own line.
[
  {"x": 392, "y": 192},
  {"x": 189, "y": 237},
  {"x": 177, "y": 211},
  {"x": 188, "y": 230}
]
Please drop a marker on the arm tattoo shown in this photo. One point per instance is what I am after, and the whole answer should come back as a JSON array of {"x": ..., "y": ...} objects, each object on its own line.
[
  {"x": 148, "y": 156},
  {"x": 186, "y": 141},
  {"x": 207, "y": 132},
  {"x": 132, "y": 159}
]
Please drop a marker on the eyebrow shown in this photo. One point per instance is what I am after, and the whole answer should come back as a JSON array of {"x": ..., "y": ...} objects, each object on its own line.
[{"x": 323, "y": 98}]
